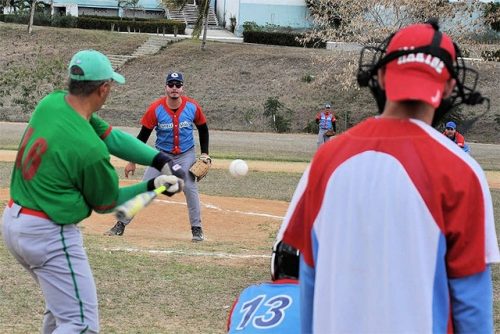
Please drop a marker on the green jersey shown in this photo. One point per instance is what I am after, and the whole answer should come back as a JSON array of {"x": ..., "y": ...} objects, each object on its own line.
[{"x": 63, "y": 168}]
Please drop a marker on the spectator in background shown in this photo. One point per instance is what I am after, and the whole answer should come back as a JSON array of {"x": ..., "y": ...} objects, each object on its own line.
[
  {"x": 327, "y": 124},
  {"x": 451, "y": 132}
]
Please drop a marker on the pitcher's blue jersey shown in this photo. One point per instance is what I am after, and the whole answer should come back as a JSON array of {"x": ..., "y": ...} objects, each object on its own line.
[
  {"x": 267, "y": 308},
  {"x": 174, "y": 130}
]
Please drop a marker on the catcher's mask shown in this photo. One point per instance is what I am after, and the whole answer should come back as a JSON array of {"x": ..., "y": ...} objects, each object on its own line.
[
  {"x": 284, "y": 262},
  {"x": 373, "y": 58}
]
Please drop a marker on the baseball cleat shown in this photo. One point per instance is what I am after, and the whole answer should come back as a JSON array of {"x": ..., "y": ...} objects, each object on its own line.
[
  {"x": 118, "y": 229},
  {"x": 197, "y": 233}
]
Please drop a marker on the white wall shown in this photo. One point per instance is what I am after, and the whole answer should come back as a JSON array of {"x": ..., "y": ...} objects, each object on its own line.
[
  {"x": 227, "y": 9},
  {"x": 71, "y": 8}
]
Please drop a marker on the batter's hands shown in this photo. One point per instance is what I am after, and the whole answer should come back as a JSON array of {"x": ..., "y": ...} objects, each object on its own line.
[
  {"x": 173, "y": 169},
  {"x": 129, "y": 168},
  {"x": 166, "y": 166},
  {"x": 173, "y": 184}
]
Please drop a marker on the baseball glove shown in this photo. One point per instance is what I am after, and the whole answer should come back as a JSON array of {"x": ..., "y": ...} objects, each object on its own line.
[
  {"x": 201, "y": 167},
  {"x": 330, "y": 133}
]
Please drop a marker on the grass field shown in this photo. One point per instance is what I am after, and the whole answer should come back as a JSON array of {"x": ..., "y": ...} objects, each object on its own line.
[
  {"x": 181, "y": 290},
  {"x": 154, "y": 293}
]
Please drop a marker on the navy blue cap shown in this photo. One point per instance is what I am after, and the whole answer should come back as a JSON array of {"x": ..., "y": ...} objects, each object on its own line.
[
  {"x": 175, "y": 76},
  {"x": 451, "y": 125}
]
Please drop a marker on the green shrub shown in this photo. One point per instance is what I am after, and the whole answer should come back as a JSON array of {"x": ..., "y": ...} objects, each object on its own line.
[
  {"x": 16, "y": 18},
  {"x": 94, "y": 23},
  {"x": 279, "y": 38},
  {"x": 491, "y": 55},
  {"x": 149, "y": 26},
  {"x": 307, "y": 78},
  {"x": 278, "y": 114},
  {"x": 251, "y": 26},
  {"x": 100, "y": 23},
  {"x": 41, "y": 19},
  {"x": 114, "y": 18},
  {"x": 311, "y": 127},
  {"x": 2, "y": 17},
  {"x": 64, "y": 21}
]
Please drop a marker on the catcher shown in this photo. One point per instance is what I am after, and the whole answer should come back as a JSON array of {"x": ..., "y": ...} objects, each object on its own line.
[
  {"x": 173, "y": 116},
  {"x": 327, "y": 124}
]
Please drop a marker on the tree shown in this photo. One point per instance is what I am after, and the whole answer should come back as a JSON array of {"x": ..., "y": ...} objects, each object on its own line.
[
  {"x": 32, "y": 15},
  {"x": 16, "y": 5},
  {"x": 279, "y": 114},
  {"x": 371, "y": 21},
  {"x": 129, "y": 4},
  {"x": 492, "y": 15},
  {"x": 202, "y": 19}
]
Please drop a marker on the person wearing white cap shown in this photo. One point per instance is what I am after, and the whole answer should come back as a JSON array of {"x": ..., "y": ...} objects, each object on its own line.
[{"x": 326, "y": 123}]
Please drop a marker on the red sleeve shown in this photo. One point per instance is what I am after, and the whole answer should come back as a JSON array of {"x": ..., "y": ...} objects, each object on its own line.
[
  {"x": 464, "y": 213},
  {"x": 460, "y": 140},
  {"x": 318, "y": 116},
  {"x": 149, "y": 119},
  {"x": 199, "y": 117}
]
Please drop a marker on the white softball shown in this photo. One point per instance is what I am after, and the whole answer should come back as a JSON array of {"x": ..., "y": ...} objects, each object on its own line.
[{"x": 238, "y": 168}]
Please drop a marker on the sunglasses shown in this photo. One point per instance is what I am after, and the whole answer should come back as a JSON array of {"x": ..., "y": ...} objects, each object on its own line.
[
  {"x": 450, "y": 129},
  {"x": 176, "y": 84}
]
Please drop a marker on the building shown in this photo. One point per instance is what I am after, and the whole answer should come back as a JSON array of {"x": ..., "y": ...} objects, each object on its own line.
[
  {"x": 284, "y": 13},
  {"x": 143, "y": 9}
]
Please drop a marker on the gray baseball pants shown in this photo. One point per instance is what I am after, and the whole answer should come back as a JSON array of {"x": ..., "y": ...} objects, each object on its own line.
[
  {"x": 185, "y": 159},
  {"x": 54, "y": 255},
  {"x": 321, "y": 137}
]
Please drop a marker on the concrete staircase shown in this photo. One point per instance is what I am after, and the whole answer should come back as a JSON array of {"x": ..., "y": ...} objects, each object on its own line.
[
  {"x": 150, "y": 47},
  {"x": 189, "y": 14}
]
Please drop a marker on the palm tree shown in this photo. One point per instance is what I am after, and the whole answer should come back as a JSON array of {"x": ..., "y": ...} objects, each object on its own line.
[{"x": 201, "y": 21}]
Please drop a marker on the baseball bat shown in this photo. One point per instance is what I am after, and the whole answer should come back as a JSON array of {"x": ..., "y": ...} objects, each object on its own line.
[{"x": 130, "y": 208}]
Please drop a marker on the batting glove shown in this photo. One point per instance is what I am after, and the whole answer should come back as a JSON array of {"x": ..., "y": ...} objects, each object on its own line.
[
  {"x": 173, "y": 184},
  {"x": 167, "y": 167}
]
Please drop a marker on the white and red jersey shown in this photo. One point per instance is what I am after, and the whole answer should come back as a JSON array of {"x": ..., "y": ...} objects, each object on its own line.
[{"x": 385, "y": 214}]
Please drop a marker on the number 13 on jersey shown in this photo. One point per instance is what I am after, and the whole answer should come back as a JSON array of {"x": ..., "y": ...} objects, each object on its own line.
[{"x": 267, "y": 308}]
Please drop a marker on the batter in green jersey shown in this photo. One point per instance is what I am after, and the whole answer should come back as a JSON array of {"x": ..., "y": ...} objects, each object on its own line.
[{"x": 62, "y": 173}]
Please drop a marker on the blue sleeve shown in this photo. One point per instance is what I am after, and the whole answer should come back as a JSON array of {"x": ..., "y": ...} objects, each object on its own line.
[
  {"x": 472, "y": 303},
  {"x": 306, "y": 279}
]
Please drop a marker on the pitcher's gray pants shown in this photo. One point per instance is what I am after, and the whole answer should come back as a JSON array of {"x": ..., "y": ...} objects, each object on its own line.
[
  {"x": 185, "y": 159},
  {"x": 322, "y": 138}
]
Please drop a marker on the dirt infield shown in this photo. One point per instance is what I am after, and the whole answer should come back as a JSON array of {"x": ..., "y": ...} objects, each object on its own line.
[{"x": 243, "y": 221}]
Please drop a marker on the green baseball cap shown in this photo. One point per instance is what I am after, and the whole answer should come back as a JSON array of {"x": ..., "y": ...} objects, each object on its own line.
[{"x": 91, "y": 65}]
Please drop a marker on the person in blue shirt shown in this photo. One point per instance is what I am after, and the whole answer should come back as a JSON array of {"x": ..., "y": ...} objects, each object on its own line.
[{"x": 271, "y": 307}]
